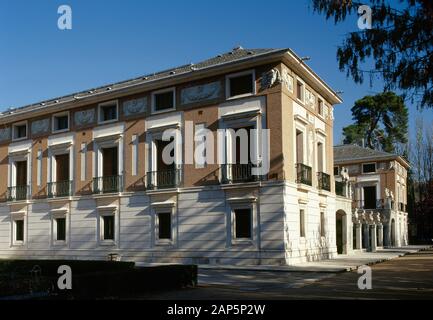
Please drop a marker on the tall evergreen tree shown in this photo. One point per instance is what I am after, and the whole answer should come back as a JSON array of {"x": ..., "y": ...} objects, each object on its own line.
[
  {"x": 381, "y": 121},
  {"x": 400, "y": 43}
]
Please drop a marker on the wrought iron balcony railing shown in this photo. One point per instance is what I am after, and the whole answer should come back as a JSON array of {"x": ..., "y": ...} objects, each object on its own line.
[
  {"x": 369, "y": 204},
  {"x": 107, "y": 184},
  {"x": 303, "y": 174},
  {"x": 18, "y": 193},
  {"x": 59, "y": 189},
  {"x": 324, "y": 181},
  {"x": 239, "y": 172},
  {"x": 164, "y": 179}
]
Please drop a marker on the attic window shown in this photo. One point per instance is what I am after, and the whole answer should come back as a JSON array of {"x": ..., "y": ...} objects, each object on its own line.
[
  {"x": 61, "y": 122},
  {"x": 320, "y": 107},
  {"x": 20, "y": 131},
  {"x": 369, "y": 167},
  {"x": 163, "y": 100},
  {"x": 241, "y": 84},
  {"x": 108, "y": 111},
  {"x": 300, "y": 90}
]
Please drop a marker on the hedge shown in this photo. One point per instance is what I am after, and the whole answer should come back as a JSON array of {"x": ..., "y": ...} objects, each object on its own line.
[{"x": 92, "y": 279}]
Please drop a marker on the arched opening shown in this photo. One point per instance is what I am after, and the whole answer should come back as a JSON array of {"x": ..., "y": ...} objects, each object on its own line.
[
  {"x": 340, "y": 227},
  {"x": 393, "y": 233}
]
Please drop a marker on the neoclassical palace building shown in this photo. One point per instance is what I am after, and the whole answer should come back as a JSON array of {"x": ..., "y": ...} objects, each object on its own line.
[
  {"x": 84, "y": 176},
  {"x": 378, "y": 188}
]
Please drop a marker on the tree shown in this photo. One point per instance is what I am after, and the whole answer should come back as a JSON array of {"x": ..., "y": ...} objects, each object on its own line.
[
  {"x": 400, "y": 43},
  {"x": 420, "y": 186},
  {"x": 381, "y": 121}
]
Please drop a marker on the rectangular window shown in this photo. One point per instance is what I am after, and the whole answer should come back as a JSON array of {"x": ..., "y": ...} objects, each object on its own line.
[
  {"x": 61, "y": 229},
  {"x": 320, "y": 107},
  {"x": 336, "y": 171},
  {"x": 108, "y": 111},
  {"x": 300, "y": 90},
  {"x": 243, "y": 224},
  {"x": 322, "y": 224},
  {"x": 164, "y": 225},
  {"x": 108, "y": 227},
  {"x": 19, "y": 230},
  {"x": 320, "y": 157},
  {"x": 164, "y": 100},
  {"x": 61, "y": 122},
  {"x": 241, "y": 85},
  {"x": 20, "y": 131},
  {"x": 299, "y": 146},
  {"x": 369, "y": 167},
  {"x": 302, "y": 223}
]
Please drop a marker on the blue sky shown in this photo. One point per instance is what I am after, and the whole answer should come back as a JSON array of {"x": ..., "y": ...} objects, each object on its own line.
[{"x": 117, "y": 40}]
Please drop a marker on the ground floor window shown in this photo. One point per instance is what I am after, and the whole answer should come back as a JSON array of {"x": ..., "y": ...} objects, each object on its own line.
[
  {"x": 164, "y": 226},
  {"x": 322, "y": 224},
  {"x": 107, "y": 225},
  {"x": 61, "y": 229},
  {"x": 302, "y": 223},
  {"x": 19, "y": 230},
  {"x": 108, "y": 222},
  {"x": 243, "y": 223}
]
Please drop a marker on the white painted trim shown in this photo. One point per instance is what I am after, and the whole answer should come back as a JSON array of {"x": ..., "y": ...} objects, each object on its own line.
[
  {"x": 247, "y": 204},
  {"x": 19, "y": 147},
  {"x": 134, "y": 155},
  {"x": 25, "y": 155},
  {"x": 104, "y": 211},
  {"x": 61, "y": 140},
  {"x": 164, "y": 207},
  {"x": 39, "y": 168},
  {"x": 112, "y": 131},
  {"x": 83, "y": 164},
  {"x": 99, "y": 145},
  {"x": 58, "y": 214},
  {"x": 20, "y": 215},
  {"x": 199, "y": 142}
]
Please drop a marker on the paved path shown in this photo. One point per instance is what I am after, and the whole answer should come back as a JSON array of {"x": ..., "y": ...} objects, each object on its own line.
[
  {"x": 341, "y": 263},
  {"x": 406, "y": 277}
]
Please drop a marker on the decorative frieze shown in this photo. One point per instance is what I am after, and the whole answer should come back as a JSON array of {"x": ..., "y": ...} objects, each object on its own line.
[
  {"x": 84, "y": 117},
  {"x": 40, "y": 126},
  {"x": 310, "y": 99},
  {"x": 5, "y": 134},
  {"x": 325, "y": 111},
  {"x": 135, "y": 106},
  {"x": 287, "y": 80},
  {"x": 199, "y": 93}
]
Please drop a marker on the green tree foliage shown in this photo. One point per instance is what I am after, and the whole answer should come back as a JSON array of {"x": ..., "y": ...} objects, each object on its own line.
[
  {"x": 400, "y": 43},
  {"x": 381, "y": 121}
]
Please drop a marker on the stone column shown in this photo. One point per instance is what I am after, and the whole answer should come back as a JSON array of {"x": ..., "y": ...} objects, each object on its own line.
[
  {"x": 398, "y": 232},
  {"x": 380, "y": 235},
  {"x": 358, "y": 236},
  {"x": 373, "y": 247}
]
